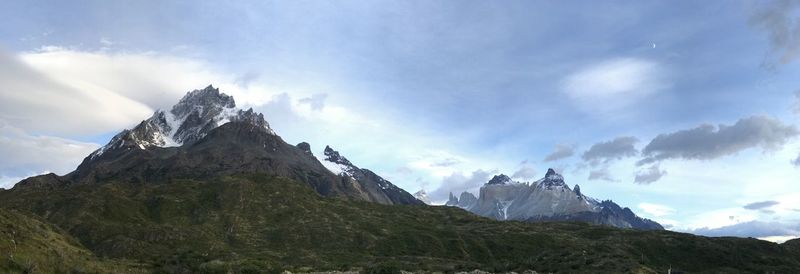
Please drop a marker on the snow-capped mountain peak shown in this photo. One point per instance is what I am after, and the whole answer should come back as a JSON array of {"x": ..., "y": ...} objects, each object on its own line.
[
  {"x": 500, "y": 179},
  {"x": 337, "y": 163},
  {"x": 551, "y": 180},
  {"x": 422, "y": 196},
  {"x": 196, "y": 114}
]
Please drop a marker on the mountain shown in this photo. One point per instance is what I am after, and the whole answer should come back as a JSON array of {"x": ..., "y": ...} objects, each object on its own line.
[
  {"x": 191, "y": 119},
  {"x": 548, "y": 199},
  {"x": 375, "y": 187},
  {"x": 422, "y": 196},
  {"x": 205, "y": 135}
]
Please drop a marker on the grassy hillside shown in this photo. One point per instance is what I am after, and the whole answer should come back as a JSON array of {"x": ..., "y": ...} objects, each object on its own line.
[
  {"x": 257, "y": 223},
  {"x": 29, "y": 245}
]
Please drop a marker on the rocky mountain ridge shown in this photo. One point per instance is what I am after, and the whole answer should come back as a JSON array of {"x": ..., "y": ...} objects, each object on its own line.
[
  {"x": 205, "y": 135},
  {"x": 547, "y": 199},
  {"x": 197, "y": 113}
]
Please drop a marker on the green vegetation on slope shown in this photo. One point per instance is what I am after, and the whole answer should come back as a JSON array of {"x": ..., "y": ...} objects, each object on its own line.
[
  {"x": 255, "y": 223},
  {"x": 28, "y": 245}
]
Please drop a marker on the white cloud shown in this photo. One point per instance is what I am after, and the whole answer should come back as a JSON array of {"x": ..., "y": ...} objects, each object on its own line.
[
  {"x": 9, "y": 182},
  {"x": 65, "y": 91},
  {"x": 458, "y": 182},
  {"x": 26, "y": 155},
  {"x": 614, "y": 83},
  {"x": 656, "y": 210},
  {"x": 34, "y": 100},
  {"x": 106, "y": 42},
  {"x": 439, "y": 162},
  {"x": 779, "y": 239},
  {"x": 774, "y": 231}
]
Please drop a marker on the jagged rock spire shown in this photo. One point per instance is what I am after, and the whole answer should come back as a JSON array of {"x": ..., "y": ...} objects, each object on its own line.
[
  {"x": 500, "y": 179},
  {"x": 334, "y": 157},
  {"x": 452, "y": 200},
  {"x": 552, "y": 179}
]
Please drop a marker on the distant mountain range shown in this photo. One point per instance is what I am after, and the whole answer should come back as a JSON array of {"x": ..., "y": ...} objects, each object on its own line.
[{"x": 548, "y": 199}]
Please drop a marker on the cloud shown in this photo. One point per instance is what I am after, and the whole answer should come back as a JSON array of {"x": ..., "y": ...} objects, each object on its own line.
[
  {"x": 796, "y": 106},
  {"x": 760, "y": 205},
  {"x": 782, "y": 25},
  {"x": 757, "y": 229},
  {"x": 656, "y": 209},
  {"x": 25, "y": 155},
  {"x": 524, "y": 173},
  {"x": 560, "y": 152},
  {"x": 36, "y": 101},
  {"x": 106, "y": 42},
  {"x": 613, "y": 83},
  {"x": 796, "y": 161},
  {"x": 600, "y": 174},
  {"x": 458, "y": 182},
  {"x": 605, "y": 152},
  {"x": 9, "y": 182},
  {"x": 707, "y": 142},
  {"x": 97, "y": 92},
  {"x": 447, "y": 162},
  {"x": 316, "y": 101},
  {"x": 649, "y": 175}
]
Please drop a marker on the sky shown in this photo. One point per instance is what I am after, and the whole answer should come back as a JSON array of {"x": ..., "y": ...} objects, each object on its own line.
[{"x": 685, "y": 111}]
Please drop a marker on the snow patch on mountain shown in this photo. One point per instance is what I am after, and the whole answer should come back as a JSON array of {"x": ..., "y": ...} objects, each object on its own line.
[
  {"x": 337, "y": 163},
  {"x": 196, "y": 114},
  {"x": 422, "y": 196}
]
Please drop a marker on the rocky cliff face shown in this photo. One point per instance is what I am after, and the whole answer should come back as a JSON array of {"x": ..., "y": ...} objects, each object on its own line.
[
  {"x": 205, "y": 135},
  {"x": 374, "y": 187},
  {"x": 548, "y": 199},
  {"x": 191, "y": 119}
]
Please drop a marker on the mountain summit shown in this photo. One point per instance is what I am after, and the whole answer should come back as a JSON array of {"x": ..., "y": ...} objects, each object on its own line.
[
  {"x": 204, "y": 135},
  {"x": 197, "y": 113}
]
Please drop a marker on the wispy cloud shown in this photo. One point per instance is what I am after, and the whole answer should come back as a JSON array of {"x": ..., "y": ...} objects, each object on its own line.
[
  {"x": 760, "y": 205},
  {"x": 780, "y": 21},
  {"x": 25, "y": 154},
  {"x": 656, "y": 210},
  {"x": 649, "y": 175},
  {"x": 796, "y": 105},
  {"x": 614, "y": 83},
  {"x": 316, "y": 101}
]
